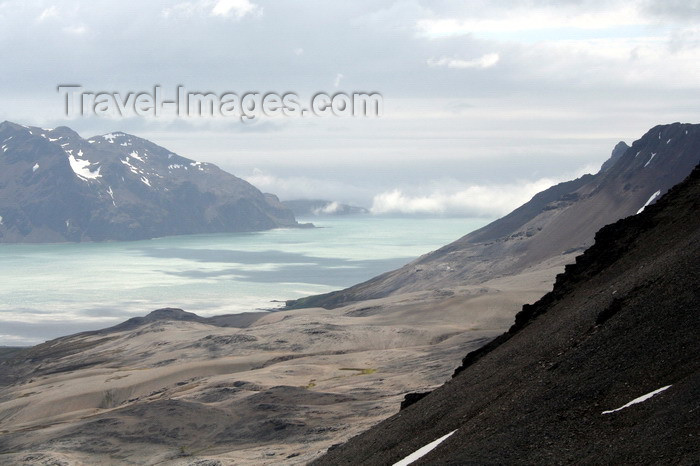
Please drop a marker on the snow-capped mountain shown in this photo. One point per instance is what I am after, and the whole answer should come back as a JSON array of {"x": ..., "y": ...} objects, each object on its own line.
[{"x": 56, "y": 186}]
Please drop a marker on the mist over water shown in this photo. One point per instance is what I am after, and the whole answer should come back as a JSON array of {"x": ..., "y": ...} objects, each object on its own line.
[{"x": 50, "y": 290}]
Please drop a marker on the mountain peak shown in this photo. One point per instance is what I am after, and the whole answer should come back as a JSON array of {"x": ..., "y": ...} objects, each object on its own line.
[
  {"x": 118, "y": 187},
  {"x": 112, "y": 137},
  {"x": 617, "y": 152},
  {"x": 12, "y": 125}
]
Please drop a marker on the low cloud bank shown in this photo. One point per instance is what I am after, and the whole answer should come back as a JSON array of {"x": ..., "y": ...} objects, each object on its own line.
[
  {"x": 307, "y": 187},
  {"x": 448, "y": 196},
  {"x": 472, "y": 201}
]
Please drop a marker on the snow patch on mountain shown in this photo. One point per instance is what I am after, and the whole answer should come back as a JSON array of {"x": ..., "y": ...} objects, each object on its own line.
[
  {"x": 650, "y": 159},
  {"x": 80, "y": 167},
  {"x": 638, "y": 400},
  {"x": 651, "y": 199},
  {"x": 111, "y": 194},
  {"x": 131, "y": 167},
  {"x": 136, "y": 155},
  {"x": 416, "y": 455}
]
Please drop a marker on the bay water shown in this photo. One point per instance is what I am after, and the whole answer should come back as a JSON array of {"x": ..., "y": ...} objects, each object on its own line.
[{"x": 50, "y": 290}]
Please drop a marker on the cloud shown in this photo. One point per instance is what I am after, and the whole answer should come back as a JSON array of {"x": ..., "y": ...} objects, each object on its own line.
[
  {"x": 330, "y": 208},
  {"x": 439, "y": 197},
  {"x": 303, "y": 187},
  {"x": 485, "y": 61},
  {"x": 677, "y": 10},
  {"x": 50, "y": 12},
  {"x": 471, "y": 201},
  {"x": 565, "y": 91},
  {"x": 223, "y": 8},
  {"x": 522, "y": 19},
  {"x": 19, "y": 340},
  {"x": 237, "y": 8},
  {"x": 78, "y": 30}
]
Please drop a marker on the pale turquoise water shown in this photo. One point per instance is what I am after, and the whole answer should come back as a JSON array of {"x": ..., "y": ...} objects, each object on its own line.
[{"x": 50, "y": 290}]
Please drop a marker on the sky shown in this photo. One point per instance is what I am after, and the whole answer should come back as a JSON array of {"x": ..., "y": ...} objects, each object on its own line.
[{"x": 485, "y": 103}]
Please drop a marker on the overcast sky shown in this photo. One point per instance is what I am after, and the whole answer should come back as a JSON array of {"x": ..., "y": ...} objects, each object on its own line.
[{"x": 485, "y": 103}]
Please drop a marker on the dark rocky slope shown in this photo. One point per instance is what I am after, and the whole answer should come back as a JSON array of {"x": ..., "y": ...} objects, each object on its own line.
[
  {"x": 620, "y": 323},
  {"x": 559, "y": 220},
  {"x": 56, "y": 186}
]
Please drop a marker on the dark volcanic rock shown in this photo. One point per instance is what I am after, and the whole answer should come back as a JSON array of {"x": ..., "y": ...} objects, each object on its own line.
[
  {"x": 620, "y": 323},
  {"x": 412, "y": 398},
  {"x": 56, "y": 186}
]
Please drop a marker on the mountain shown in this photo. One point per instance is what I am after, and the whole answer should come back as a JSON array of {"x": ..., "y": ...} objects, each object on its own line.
[
  {"x": 558, "y": 221},
  {"x": 56, "y": 186},
  {"x": 282, "y": 387},
  {"x": 309, "y": 207},
  {"x": 604, "y": 369}
]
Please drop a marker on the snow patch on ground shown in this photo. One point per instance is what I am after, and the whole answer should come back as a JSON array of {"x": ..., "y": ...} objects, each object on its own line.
[
  {"x": 136, "y": 155},
  {"x": 35, "y": 167},
  {"x": 638, "y": 400},
  {"x": 651, "y": 199},
  {"x": 650, "y": 159},
  {"x": 1, "y": 220},
  {"x": 80, "y": 167},
  {"x": 111, "y": 194},
  {"x": 416, "y": 455},
  {"x": 131, "y": 167},
  {"x": 110, "y": 137},
  {"x": 145, "y": 181}
]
